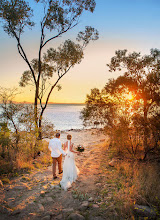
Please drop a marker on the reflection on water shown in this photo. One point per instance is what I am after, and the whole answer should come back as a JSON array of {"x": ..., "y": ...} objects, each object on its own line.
[{"x": 63, "y": 116}]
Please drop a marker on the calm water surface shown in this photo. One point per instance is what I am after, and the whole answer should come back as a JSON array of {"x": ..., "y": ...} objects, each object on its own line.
[{"x": 63, "y": 116}]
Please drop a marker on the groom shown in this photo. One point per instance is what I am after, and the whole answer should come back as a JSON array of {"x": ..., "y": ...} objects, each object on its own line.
[{"x": 55, "y": 147}]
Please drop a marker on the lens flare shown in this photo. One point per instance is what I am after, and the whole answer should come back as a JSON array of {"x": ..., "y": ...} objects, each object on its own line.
[{"x": 129, "y": 96}]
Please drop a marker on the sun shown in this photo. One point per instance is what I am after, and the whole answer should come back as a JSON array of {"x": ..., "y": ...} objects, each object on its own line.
[{"x": 129, "y": 96}]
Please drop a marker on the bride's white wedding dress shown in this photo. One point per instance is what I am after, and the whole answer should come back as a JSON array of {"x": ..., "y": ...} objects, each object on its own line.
[{"x": 70, "y": 171}]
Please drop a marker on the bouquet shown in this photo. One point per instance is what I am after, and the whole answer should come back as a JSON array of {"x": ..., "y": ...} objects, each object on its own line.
[{"x": 80, "y": 148}]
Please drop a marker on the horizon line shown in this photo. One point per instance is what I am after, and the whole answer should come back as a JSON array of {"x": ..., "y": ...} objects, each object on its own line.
[{"x": 67, "y": 103}]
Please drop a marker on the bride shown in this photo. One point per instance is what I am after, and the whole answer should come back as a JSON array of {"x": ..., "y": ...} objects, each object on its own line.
[{"x": 70, "y": 171}]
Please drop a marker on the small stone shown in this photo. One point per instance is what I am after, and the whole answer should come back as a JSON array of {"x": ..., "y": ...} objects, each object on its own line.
[
  {"x": 42, "y": 192},
  {"x": 90, "y": 199},
  {"x": 112, "y": 163},
  {"x": 58, "y": 217},
  {"x": 96, "y": 218},
  {"x": 43, "y": 200},
  {"x": 98, "y": 184},
  {"x": 5, "y": 210},
  {"x": 95, "y": 206},
  {"x": 84, "y": 206},
  {"x": 75, "y": 216},
  {"x": 1, "y": 184},
  {"x": 45, "y": 186},
  {"x": 41, "y": 207},
  {"x": 49, "y": 199},
  {"x": 55, "y": 186},
  {"x": 20, "y": 187},
  {"x": 67, "y": 210},
  {"x": 16, "y": 212},
  {"x": 47, "y": 217},
  {"x": 85, "y": 203},
  {"x": 32, "y": 214}
]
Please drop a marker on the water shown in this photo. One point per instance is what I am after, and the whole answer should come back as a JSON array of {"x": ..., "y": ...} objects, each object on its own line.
[{"x": 63, "y": 116}]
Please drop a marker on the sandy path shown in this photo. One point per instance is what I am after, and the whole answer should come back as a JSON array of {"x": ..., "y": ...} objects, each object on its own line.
[{"x": 37, "y": 196}]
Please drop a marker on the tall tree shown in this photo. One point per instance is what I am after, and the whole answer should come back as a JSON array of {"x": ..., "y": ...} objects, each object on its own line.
[
  {"x": 10, "y": 110},
  {"x": 59, "y": 17},
  {"x": 142, "y": 77}
]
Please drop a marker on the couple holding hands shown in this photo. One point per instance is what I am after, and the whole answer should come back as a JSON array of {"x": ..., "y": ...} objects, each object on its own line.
[{"x": 70, "y": 171}]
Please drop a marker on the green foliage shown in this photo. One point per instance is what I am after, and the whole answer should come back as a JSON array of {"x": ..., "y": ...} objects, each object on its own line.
[
  {"x": 132, "y": 124},
  {"x": 16, "y": 16},
  {"x": 4, "y": 134}
]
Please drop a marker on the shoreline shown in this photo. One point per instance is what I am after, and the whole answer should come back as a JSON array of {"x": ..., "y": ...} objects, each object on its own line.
[{"x": 79, "y": 129}]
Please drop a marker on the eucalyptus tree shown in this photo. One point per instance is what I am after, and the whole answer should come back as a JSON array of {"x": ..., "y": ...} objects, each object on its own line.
[
  {"x": 99, "y": 109},
  {"x": 141, "y": 75},
  {"x": 10, "y": 110},
  {"x": 59, "y": 16}
]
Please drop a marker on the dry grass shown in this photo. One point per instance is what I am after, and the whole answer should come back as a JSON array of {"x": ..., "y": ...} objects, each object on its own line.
[
  {"x": 21, "y": 160},
  {"x": 129, "y": 182}
]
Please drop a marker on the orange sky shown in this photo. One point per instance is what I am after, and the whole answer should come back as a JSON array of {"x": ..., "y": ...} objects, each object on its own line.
[{"x": 118, "y": 28}]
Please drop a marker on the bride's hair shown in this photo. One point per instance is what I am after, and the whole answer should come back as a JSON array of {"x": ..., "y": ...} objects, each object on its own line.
[{"x": 69, "y": 137}]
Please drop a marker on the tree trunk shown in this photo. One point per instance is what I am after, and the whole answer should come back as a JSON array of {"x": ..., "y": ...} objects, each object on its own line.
[
  {"x": 40, "y": 128},
  {"x": 36, "y": 111},
  {"x": 145, "y": 145}
]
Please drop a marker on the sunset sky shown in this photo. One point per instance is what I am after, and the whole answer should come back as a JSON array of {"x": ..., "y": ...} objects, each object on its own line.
[{"x": 122, "y": 24}]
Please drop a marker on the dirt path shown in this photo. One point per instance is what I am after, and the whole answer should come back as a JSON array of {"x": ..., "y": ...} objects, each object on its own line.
[{"x": 37, "y": 196}]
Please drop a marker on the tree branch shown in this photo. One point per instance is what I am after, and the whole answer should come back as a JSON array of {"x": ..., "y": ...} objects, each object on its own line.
[
  {"x": 23, "y": 55},
  {"x": 59, "y": 34}
]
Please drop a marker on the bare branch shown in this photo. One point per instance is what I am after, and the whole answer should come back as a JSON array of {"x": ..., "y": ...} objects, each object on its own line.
[{"x": 59, "y": 34}]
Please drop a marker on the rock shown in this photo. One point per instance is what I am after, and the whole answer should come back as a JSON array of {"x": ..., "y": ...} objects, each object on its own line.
[
  {"x": 41, "y": 207},
  {"x": 90, "y": 199},
  {"x": 112, "y": 163},
  {"x": 21, "y": 186},
  {"x": 84, "y": 206},
  {"x": 5, "y": 210},
  {"x": 49, "y": 199},
  {"x": 55, "y": 186},
  {"x": 47, "y": 217},
  {"x": 1, "y": 184},
  {"x": 144, "y": 211},
  {"x": 67, "y": 210},
  {"x": 45, "y": 186},
  {"x": 43, "y": 200},
  {"x": 42, "y": 192},
  {"x": 58, "y": 217},
  {"x": 98, "y": 184},
  {"x": 95, "y": 206},
  {"x": 16, "y": 212},
  {"x": 95, "y": 218},
  {"x": 32, "y": 214},
  {"x": 75, "y": 216}
]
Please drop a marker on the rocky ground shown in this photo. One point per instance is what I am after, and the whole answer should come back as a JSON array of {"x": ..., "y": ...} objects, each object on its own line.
[{"x": 36, "y": 196}]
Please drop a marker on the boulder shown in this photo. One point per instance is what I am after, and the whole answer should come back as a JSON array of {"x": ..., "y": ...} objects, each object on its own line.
[{"x": 144, "y": 211}]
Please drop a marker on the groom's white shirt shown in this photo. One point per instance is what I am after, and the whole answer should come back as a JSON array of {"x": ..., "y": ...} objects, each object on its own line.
[{"x": 55, "y": 147}]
